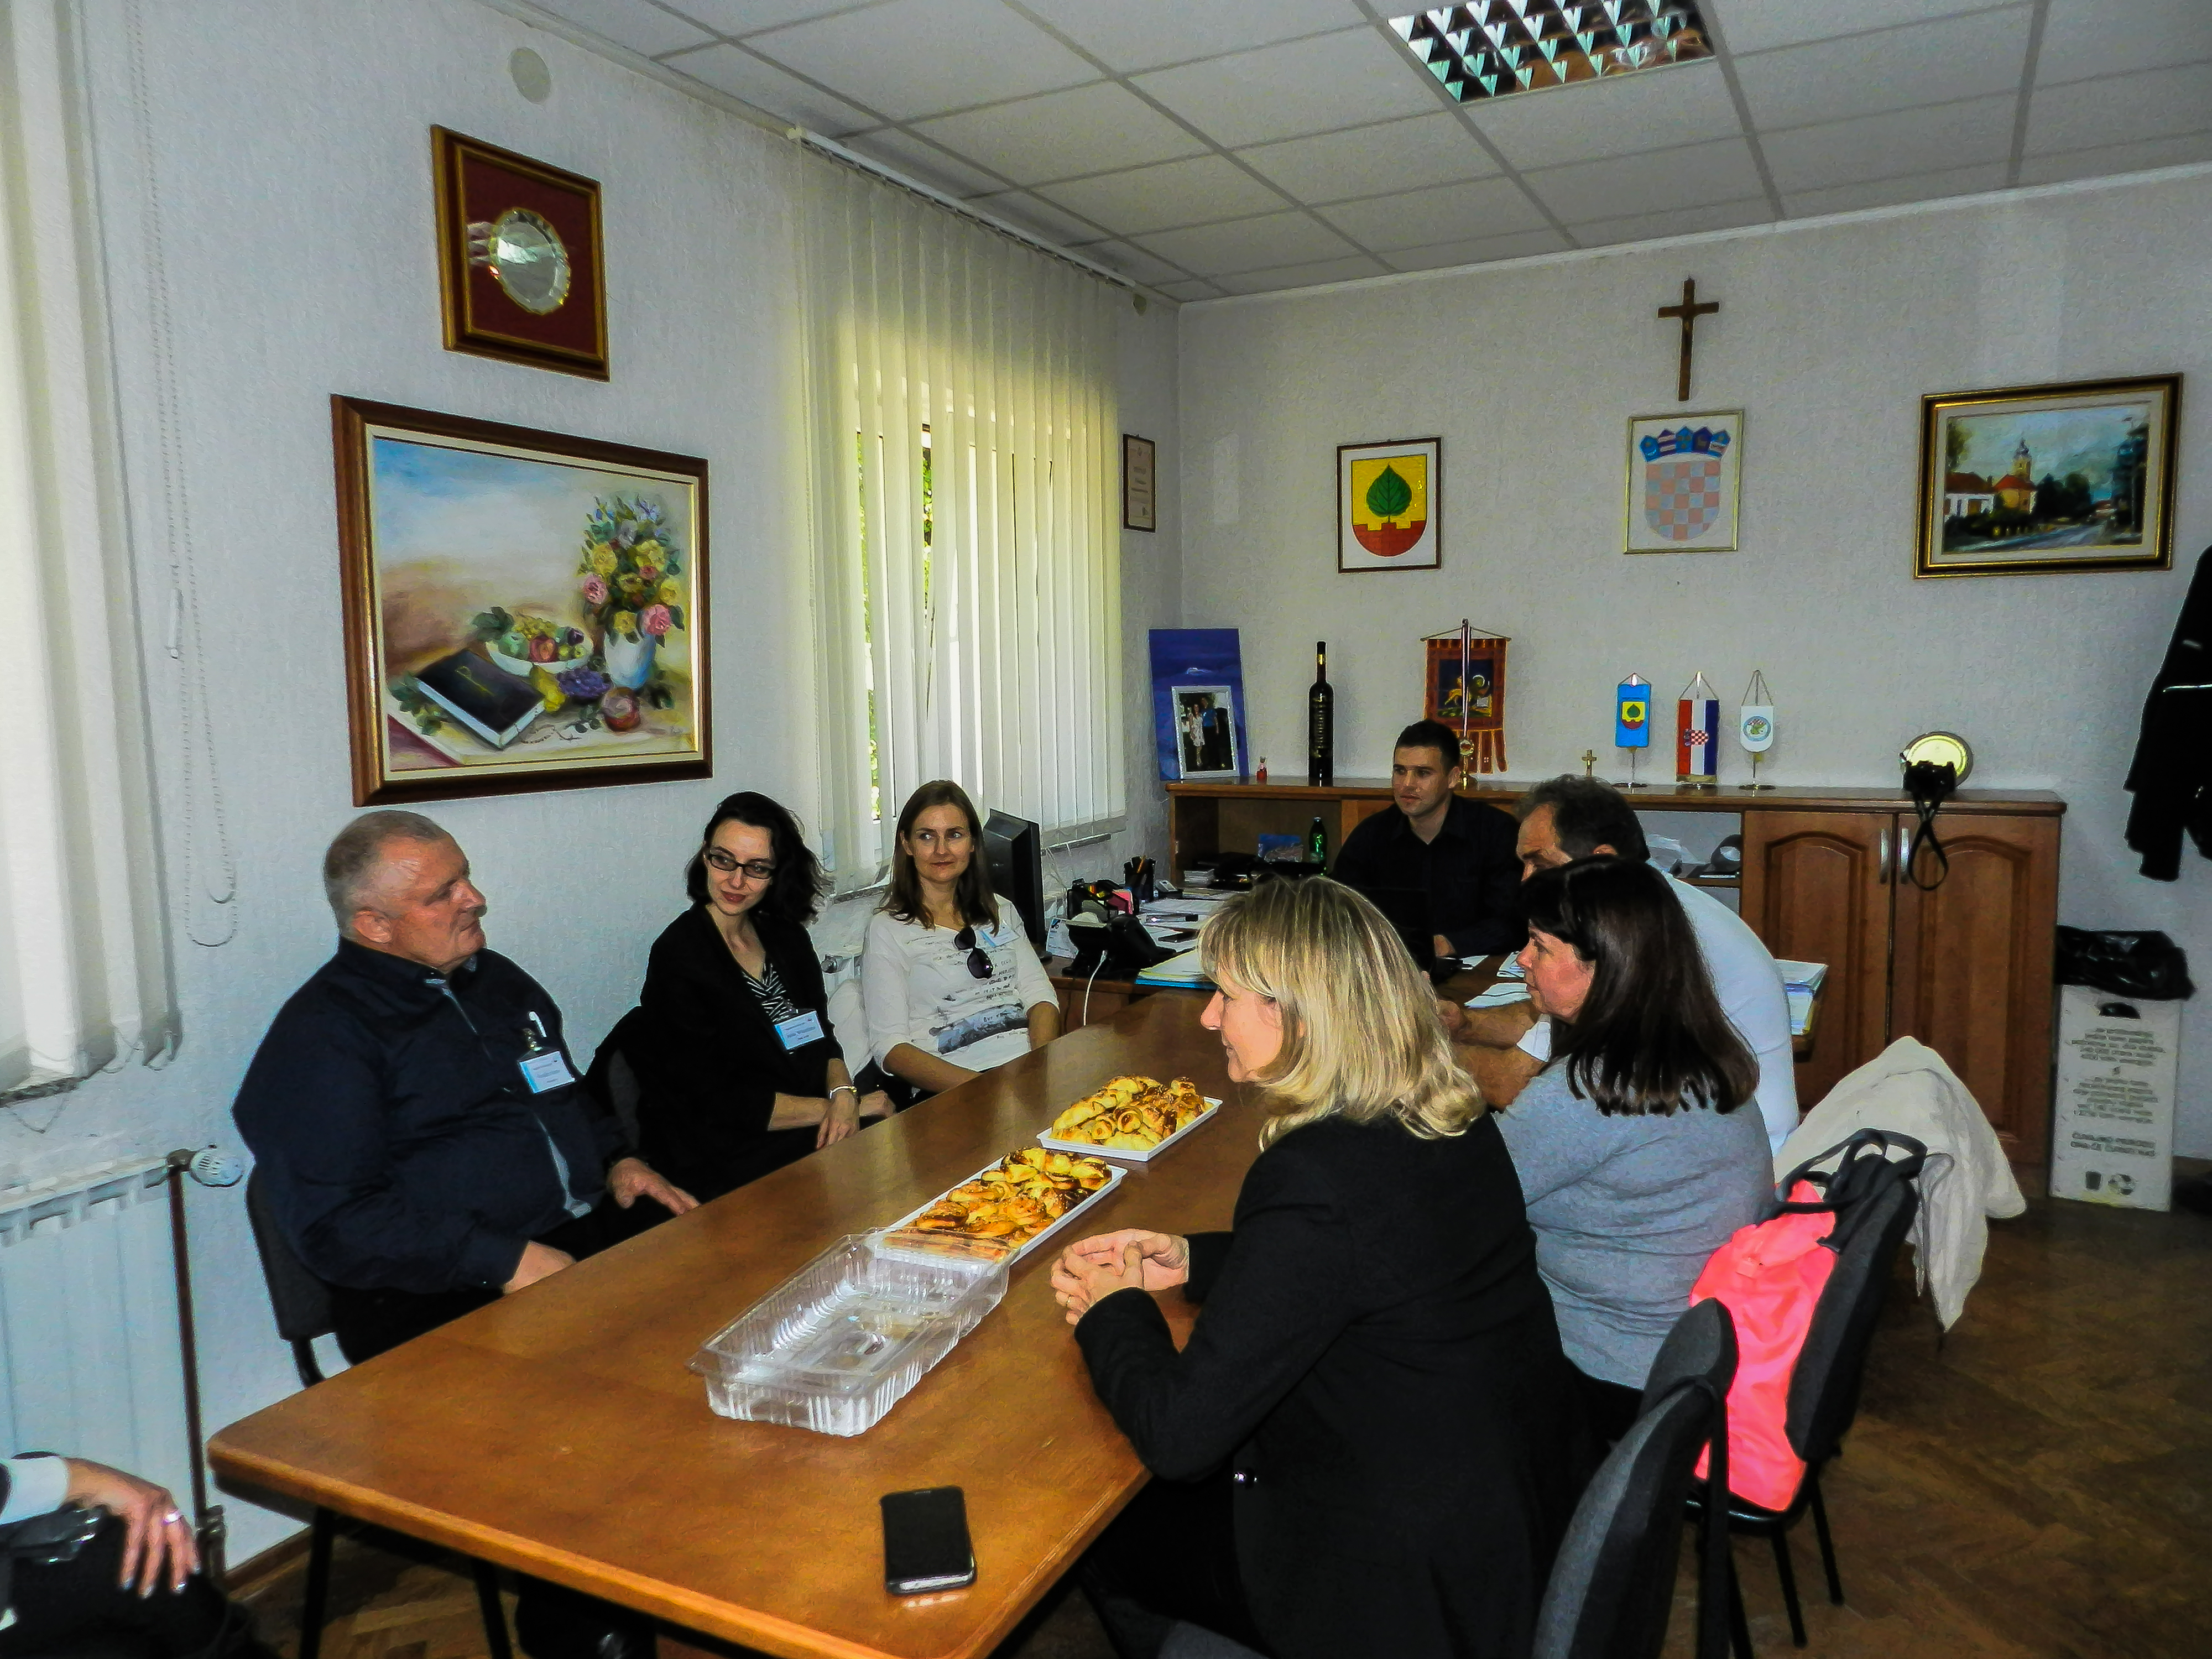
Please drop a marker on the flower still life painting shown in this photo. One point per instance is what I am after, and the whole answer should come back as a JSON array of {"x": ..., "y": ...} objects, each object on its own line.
[{"x": 523, "y": 610}]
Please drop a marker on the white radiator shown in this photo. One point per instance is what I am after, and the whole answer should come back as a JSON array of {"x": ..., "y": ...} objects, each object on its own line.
[{"x": 90, "y": 1361}]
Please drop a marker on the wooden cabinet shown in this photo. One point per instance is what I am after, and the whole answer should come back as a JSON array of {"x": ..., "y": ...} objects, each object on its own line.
[
  {"x": 1965, "y": 965},
  {"x": 1966, "y": 968}
]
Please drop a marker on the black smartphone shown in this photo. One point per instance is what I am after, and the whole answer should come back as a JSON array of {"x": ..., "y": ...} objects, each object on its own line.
[{"x": 926, "y": 1544}]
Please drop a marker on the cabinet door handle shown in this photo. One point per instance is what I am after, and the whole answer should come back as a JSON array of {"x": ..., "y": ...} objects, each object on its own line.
[{"x": 1881, "y": 879}]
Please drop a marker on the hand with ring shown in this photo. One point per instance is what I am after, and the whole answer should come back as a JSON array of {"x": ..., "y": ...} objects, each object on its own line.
[{"x": 158, "y": 1544}]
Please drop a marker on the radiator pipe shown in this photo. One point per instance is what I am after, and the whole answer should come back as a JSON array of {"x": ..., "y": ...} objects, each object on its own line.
[{"x": 208, "y": 1521}]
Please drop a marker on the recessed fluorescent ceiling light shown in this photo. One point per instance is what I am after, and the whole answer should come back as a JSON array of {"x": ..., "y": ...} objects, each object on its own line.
[{"x": 1501, "y": 46}]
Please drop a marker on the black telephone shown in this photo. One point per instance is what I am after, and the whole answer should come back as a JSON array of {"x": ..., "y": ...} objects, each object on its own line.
[{"x": 1109, "y": 943}]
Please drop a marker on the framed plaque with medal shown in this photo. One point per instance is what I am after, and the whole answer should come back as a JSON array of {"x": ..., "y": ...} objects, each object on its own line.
[{"x": 520, "y": 269}]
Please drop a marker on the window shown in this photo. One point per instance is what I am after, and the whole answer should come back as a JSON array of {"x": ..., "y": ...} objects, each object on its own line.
[{"x": 966, "y": 551}]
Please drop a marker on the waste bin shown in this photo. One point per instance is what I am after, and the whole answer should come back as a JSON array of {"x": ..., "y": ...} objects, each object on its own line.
[{"x": 2119, "y": 1054}]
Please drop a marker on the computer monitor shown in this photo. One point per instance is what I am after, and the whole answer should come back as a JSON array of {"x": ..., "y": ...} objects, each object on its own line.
[{"x": 1013, "y": 852}]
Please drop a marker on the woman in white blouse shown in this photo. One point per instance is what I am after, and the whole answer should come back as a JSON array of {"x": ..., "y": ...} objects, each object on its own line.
[{"x": 950, "y": 982}]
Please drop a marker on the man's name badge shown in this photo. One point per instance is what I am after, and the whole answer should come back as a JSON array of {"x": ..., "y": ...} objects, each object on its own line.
[
  {"x": 547, "y": 1069},
  {"x": 799, "y": 1030}
]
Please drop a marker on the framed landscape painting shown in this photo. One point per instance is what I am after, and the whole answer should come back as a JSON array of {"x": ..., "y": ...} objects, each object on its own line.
[
  {"x": 523, "y": 610},
  {"x": 2033, "y": 479}
]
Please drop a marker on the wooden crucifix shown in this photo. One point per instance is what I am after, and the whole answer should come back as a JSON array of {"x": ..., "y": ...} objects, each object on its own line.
[{"x": 1689, "y": 311}]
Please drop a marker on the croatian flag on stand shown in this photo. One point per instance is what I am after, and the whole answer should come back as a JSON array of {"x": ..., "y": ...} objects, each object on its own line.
[{"x": 1698, "y": 733}]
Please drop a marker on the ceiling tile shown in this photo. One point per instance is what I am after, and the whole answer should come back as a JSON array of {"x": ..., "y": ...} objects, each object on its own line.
[
  {"x": 915, "y": 57},
  {"x": 2083, "y": 38},
  {"x": 1884, "y": 146},
  {"x": 1747, "y": 26},
  {"x": 1139, "y": 34},
  {"x": 1041, "y": 217},
  {"x": 917, "y": 160},
  {"x": 1341, "y": 80},
  {"x": 638, "y": 24},
  {"x": 1896, "y": 69},
  {"x": 1489, "y": 207},
  {"x": 1653, "y": 182},
  {"x": 1479, "y": 251},
  {"x": 1889, "y": 192},
  {"x": 1682, "y": 105},
  {"x": 1275, "y": 238},
  {"x": 1157, "y": 197},
  {"x": 1062, "y": 135},
  {"x": 1426, "y": 149},
  {"x": 1132, "y": 261},
  {"x": 1682, "y": 221},
  {"x": 740, "y": 17},
  {"x": 1305, "y": 275},
  {"x": 1190, "y": 289},
  {"x": 766, "y": 87},
  {"x": 2116, "y": 158},
  {"x": 2123, "y": 110}
]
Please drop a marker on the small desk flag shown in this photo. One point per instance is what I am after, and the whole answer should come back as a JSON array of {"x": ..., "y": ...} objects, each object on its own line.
[
  {"x": 1698, "y": 733},
  {"x": 1754, "y": 721},
  {"x": 1631, "y": 713}
]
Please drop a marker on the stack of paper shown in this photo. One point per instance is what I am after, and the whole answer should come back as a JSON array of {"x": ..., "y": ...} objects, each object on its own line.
[
  {"x": 1181, "y": 970},
  {"x": 1801, "y": 983},
  {"x": 1499, "y": 994}
]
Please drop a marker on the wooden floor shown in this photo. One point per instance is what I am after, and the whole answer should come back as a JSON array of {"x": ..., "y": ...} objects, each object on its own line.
[{"x": 2037, "y": 1484}]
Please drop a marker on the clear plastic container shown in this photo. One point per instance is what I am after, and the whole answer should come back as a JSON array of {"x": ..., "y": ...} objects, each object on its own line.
[{"x": 842, "y": 1341}]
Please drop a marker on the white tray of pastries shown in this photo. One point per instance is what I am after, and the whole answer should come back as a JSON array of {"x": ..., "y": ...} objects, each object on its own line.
[
  {"x": 1005, "y": 1209},
  {"x": 1135, "y": 1118}
]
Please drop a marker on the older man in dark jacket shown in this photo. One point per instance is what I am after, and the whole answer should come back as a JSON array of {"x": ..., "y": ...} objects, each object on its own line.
[{"x": 413, "y": 1112}]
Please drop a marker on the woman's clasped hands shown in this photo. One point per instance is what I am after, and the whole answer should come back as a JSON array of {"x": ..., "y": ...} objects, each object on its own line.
[{"x": 1094, "y": 1268}]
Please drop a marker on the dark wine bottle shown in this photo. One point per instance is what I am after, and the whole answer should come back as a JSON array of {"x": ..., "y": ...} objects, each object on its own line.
[
  {"x": 1320, "y": 724},
  {"x": 1316, "y": 843}
]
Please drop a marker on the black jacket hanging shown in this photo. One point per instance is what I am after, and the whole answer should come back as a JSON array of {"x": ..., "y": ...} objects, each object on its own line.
[{"x": 2171, "y": 777}]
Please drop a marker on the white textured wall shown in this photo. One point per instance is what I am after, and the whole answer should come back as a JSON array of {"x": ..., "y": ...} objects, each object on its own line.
[
  {"x": 1827, "y": 338},
  {"x": 290, "y": 152}
]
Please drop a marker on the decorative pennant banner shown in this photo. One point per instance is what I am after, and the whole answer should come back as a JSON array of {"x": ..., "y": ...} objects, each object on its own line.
[
  {"x": 1754, "y": 721},
  {"x": 1697, "y": 734},
  {"x": 1631, "y": 713},
  {"x": 1464, "y": 687}
]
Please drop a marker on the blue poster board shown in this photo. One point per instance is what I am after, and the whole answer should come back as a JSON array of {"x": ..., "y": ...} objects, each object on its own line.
[{"x": 1195, "y": 657}]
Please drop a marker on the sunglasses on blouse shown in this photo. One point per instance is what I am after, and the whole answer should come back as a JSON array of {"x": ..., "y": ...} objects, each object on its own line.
[{"x": 978, "y": 963}]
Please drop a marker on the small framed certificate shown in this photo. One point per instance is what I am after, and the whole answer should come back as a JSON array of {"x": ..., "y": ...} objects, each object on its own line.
[{"x": 1138, "y": 511}]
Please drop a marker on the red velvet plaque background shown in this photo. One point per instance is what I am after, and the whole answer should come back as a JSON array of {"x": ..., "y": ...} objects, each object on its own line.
[{"x": 476, "y": 182}]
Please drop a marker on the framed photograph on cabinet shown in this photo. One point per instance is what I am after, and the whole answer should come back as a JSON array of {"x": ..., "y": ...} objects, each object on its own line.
[
  {"x": 524, "y": 611},
  {"x": 1139, "y": 509},
  {"x": 1389, "y": 505},
  {"x": 1205, "y": 731},
  {"x": 521, "y": 272},
  {"x": 1683, "y": 473},
  {"x": 2033, "y": 479}
]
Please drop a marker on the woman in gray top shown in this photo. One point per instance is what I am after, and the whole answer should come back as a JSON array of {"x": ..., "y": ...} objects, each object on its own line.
[{"x": 1634, "y": 1161}]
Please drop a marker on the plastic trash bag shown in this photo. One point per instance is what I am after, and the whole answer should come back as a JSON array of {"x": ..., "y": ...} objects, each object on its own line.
[{"x": 2147, "y": 965}]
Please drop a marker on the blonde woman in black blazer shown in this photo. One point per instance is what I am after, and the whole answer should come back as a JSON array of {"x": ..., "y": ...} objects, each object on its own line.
[{"x": 1367, "y": 1446}]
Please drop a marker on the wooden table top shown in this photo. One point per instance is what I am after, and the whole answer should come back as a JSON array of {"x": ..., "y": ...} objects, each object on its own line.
[{"x": 559, "y": 1432}]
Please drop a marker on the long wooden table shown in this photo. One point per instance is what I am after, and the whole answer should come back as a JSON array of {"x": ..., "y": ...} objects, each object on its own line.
[{"x": 559, "y": 1432}]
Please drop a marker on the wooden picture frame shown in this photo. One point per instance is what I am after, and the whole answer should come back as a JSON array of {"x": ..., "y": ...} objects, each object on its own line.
[
  {"x": 524, "y": 611},
  {"x": 2034, "y": 480},
  {"x": 521, "y": 269},
  {"x": 1140, "y": 479},
  {"x": 1685, "y": 485},
  {"x": 1389, "y": 505}
]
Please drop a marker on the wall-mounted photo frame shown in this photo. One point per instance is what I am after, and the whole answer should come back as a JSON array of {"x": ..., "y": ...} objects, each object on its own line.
[
  {"x": 524, "y": 610},
  {"x": 1684, "y": 477},
  {"x": 521, "y": 272},
  {"x": 2030, "y": 480},
  {"x": 1389, "y": 505},
  {"x": 1140, "y": 503}
]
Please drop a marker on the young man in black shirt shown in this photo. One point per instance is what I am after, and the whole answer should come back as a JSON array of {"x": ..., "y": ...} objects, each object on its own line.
[{"x": 1459, "y": 851}]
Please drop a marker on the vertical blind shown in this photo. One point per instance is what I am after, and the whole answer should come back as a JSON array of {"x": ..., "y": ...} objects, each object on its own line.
[
  {"x": 967, "y": 555},
  {"x": 84, "y": 970}
]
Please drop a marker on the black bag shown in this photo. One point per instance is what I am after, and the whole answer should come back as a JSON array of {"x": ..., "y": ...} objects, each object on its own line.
[{"x": 2147, "y": 965}]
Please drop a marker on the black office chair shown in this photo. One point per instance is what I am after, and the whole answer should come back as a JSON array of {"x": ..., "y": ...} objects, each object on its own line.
[
  {"x": 1824, "y": 1385},
  {"x": 1612, "y": 1584},
  {"x": 301, "y": 1302}
]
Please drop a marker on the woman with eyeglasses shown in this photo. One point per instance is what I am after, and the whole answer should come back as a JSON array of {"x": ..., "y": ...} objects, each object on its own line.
[
  {"x": 950, "y": 982},
  {"x": 739, "y": 1071}
]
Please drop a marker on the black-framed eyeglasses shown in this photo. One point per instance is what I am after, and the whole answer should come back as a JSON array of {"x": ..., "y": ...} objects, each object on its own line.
[
  {"x": 759, "y": 869},
  {"x": 978, "y": 963}
]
